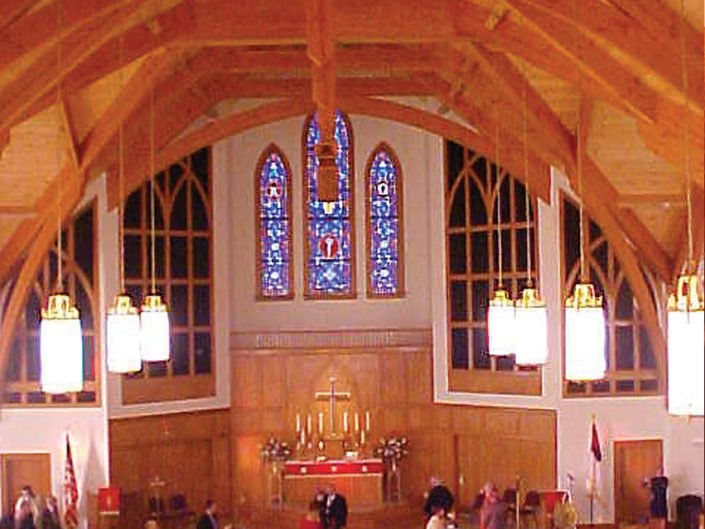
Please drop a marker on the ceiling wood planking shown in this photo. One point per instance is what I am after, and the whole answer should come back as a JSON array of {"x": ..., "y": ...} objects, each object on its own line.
[
  {"x": 69, "y": 134},
  {"x": 650, "y": 53},
  {"x": 40, "y": 28},
  {"x": 41, "y": 77},
  {"x": 591, "y": 60}
]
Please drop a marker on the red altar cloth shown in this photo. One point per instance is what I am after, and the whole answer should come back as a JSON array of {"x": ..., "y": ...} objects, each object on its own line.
[{"x": 333, "y": 467}]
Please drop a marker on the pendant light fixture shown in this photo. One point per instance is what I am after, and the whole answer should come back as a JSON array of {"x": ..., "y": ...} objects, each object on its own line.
[
  {"x": 584, "y": 318},
  {"x": 60, "y": 337},
  {"x": 123, "y": 325},
  {"x": 154, "y": 318},
  {"x": 531, "y": 319},
  {"x": 500, "y": 314},
  {"x": 685, "y": 306}
]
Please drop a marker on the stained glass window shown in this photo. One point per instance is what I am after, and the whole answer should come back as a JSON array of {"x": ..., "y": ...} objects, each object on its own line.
[
  {"x": 273, "y": 181},
  {"x": 383, "y": 196},
  {"x": 330, "y": 252}
]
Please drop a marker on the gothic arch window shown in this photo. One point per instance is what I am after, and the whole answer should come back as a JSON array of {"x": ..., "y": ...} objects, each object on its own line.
[
  {"x": 329, "y": 227},
  {"x": 472, "y": 251},
  {"x": 273, "y": 232},
  {"x": 384, "y": 224},
  {"x": 184, "y": 276},
  {"x": 631, "y": 364},
  {"x": 80, "y": 278}
]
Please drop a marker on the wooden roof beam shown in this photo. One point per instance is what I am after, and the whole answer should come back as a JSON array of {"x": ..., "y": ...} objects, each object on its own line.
[
  {"x": 42, "y": 76},
  {"x": 511, "y": 144},
  {"x": 596, "y": 63},
  {"x": 547, "y": 127},
  {"x": 12, "y": 10},
  {"x": 69, "y": 134},
  {"x": 650, "y": 54},
  {"x": 698, "y": 226}
]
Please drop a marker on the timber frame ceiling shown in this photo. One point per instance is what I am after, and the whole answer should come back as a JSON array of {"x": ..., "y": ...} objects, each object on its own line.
[{"x": 218, "y": 67}]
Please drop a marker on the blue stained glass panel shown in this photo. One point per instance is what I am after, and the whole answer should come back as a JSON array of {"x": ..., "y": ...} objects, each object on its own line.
[
  {"x": 384, "y": 189},
  {"x": 330, "y": 267},
  {"x": 275, "y": 227}
]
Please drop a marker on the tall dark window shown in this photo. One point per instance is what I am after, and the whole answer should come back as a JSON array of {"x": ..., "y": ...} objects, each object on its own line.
[
  {"x": 80, "y": 279},
  {"x": 183, "y": 264},
  {"x": 631, "y": 365},
  {"x": 472, "y": 253}
]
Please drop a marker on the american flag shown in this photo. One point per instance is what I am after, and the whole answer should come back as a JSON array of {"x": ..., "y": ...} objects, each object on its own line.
[{"x": 70, "y": 490}]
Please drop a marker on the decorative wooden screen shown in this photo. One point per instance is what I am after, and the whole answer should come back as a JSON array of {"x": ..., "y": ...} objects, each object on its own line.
[
  {"x": 184, "y": 272},
  {"x": 273, "y": 231},
  {"x": 80, "y": 271},
  {"x": 329, "y": 227},
  {"x": 384, "y": 224},
  {"x": 631, "y": 364},
  {"x": 471, "y": 253}
]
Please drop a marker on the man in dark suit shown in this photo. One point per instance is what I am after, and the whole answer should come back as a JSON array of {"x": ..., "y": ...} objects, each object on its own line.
[
  {"x": 208, "y": 520},
  {"x": 336, "y": 509}
]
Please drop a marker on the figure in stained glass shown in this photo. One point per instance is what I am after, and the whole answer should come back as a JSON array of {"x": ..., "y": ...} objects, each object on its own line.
[
  {"x": 384, "y": 223},
  {"x": 274, "y": 189},
  {"x": 330, "y": 252}
]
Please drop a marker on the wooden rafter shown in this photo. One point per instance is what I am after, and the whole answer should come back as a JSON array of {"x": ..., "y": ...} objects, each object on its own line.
[
  {"x": 69, "y": 133},
  {"x": 10, "y": 12},
  {"x": 650, "y": 53},
  {"x": 591, "y": 60}
]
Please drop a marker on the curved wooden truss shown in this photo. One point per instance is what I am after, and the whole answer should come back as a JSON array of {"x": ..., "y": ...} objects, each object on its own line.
[{"x": 615, "y": 65}]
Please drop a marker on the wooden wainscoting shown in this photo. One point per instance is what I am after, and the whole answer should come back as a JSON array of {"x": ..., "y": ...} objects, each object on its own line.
[
  {"x": 190, "y": 452},
  {"x": 463, "y": 445}
]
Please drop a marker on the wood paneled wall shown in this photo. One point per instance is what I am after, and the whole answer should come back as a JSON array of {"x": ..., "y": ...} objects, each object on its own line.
[
  {"x": 463, "y": 445},
  {"x": 190, "y": 452}
]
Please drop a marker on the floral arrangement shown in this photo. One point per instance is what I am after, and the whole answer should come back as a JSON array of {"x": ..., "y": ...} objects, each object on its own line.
[
  {"x": 392, "y": 450},
  {"x": 275, "y": 450}
]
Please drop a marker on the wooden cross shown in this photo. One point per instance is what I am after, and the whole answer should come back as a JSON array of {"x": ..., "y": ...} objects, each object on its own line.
[{"x": 331, "y": 396}]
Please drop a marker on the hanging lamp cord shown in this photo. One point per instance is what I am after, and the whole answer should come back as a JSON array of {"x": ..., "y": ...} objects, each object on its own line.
[
  {"x": 690, "y": 265},
  {"x": 527, "y": 198},
  {"x": 59, "y": 242},
  {"x": 579, "y": 151},
  {"x": 151, "y": 188},
  {"x": 121, "y": 159},
  {"x": 498, "y": 172}
]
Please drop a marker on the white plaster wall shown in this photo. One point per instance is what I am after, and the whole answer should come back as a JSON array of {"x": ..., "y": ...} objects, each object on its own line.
[
  {"x": 44, "y": 430},
  {"x": 412, "y": 311}
]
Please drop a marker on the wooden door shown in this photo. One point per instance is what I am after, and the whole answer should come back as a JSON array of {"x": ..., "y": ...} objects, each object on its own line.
[
  {"x": 635, "y": 461},
  {"x": 19, "y": 470}
]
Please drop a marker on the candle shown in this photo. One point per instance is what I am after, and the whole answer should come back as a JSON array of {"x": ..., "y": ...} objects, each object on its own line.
[
  {"x": 367, "y": 420},
  {"x": 303, "y": 437},
  {"x": 298, "y": 422},
  {"x": 308, "y": 423},
  {"x": 362, "y": 437},
  {"x": 357, "y": 422},
  {"x": 320, "y": 422},
  {"x": 345, "y": 421}
]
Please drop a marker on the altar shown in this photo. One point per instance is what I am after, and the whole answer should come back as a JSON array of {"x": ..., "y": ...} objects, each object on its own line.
[{"x": 360, "y": 481}]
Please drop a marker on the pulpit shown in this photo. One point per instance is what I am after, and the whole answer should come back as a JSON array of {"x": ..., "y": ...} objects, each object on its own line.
[{"x": 360, "y": 481}]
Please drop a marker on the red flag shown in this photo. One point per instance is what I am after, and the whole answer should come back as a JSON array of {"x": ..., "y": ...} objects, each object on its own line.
[
  {"x": 595, "y": 443},
  {"x": 70, "y": 490}
]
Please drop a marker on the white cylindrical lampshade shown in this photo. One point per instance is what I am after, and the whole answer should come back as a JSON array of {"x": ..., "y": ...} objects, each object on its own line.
[
  {"x": 685, "y": 363},
  {"x": 585, "y": 344},
  {"x": 531, "y": 324},
  {"x": 500, "y": 324},
  {"x": 686, "y": 360},
  {"x": 61, "y": 347},
  {"x": 123, "y": 337},
  {"x": 154, "y": 323},
  {"x": 584, "y": 335}
]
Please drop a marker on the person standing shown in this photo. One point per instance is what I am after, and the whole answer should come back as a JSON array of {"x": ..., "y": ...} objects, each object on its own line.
[
  {"x": 50, "y": 518},
  {"x": 493, "y": 514},
  {"x": 209, "y": 519},
  {"x": 336, "y": 509},
  {"x": 438, "y": 508}
]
